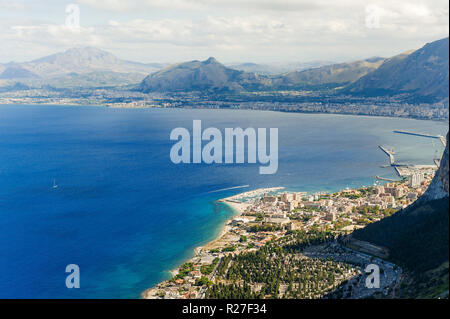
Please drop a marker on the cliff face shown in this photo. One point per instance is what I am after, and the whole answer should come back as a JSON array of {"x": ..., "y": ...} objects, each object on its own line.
[{"x": 440, "y": 185}]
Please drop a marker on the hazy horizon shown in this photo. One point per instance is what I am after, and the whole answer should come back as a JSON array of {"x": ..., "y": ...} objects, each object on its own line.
[
  {"x": 270, "y": 63},
  {"x": 264, "y": 32}
]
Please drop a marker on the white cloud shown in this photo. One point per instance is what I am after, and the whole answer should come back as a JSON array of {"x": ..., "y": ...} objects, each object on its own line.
[
  {"x": 232, "y": 30},
  {"x": 139, "y": 5},
  {"x": 10, "y": 5}
]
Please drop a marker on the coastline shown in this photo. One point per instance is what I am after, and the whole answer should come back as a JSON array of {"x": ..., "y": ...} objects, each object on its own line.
[
  {"x": 212, "y": 231},
  {"x": 106, "y": 105},
  {"x": 238, "y": 207},
  {"x": 189, "y": 278}
]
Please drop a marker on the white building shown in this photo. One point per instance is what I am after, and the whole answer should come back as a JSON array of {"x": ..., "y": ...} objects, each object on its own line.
[{"x": 416, "y": 179}]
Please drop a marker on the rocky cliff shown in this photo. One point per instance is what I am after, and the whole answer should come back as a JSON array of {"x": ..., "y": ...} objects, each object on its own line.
[{"x": 440, "y": 184}]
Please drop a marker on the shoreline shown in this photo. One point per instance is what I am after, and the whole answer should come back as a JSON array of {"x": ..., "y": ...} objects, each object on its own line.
[
  {"x": 229, "y": 241},
  {"x": 444, "y": 120},
  {"x": 238, "y": 208}
]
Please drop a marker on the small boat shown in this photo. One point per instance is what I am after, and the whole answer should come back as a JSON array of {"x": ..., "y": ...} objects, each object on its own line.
[{"x": 54, "y": 184}]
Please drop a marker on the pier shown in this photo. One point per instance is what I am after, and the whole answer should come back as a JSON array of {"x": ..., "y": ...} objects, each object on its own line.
[
  {"x": 386, "y": 179},
  {"x": 440, "y": 137},
  {"x": 389, "y": 153},
  {"x": 398, "y": 171}
]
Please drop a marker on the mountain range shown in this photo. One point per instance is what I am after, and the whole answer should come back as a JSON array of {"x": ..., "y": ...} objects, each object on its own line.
[
  {"x": 277, "y": 68},
  {"x": 86, "y": 66},
  {"x": 334, "y": 75},
  {"x": 418, "y": 76},
  {"x": 422, "y": 74},
  {"x": 212, "y": 75},
  {"x": 208, "y": 75}
]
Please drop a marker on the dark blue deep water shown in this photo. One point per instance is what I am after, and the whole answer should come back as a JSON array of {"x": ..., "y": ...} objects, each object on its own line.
[{"x": 127, "y": 215}]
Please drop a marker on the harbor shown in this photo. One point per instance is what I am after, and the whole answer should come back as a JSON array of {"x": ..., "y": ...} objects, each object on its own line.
[
  {"x": 407, "y": 170},
  {"x": 440, "y": 137},
  {"x": 389, "y": 153}
]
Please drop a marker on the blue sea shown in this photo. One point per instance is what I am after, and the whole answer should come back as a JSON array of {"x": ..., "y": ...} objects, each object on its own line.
[{"x": 127, "y": 215}]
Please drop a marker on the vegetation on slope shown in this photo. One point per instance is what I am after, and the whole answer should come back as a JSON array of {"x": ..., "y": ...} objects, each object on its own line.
[{"x": 418, "y": 240}]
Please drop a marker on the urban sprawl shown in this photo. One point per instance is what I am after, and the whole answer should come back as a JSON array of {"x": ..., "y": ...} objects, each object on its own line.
[{"x": 296, "y": 245}]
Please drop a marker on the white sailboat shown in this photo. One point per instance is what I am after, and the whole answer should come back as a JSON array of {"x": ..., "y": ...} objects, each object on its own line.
[{"x": 54, "y": 184}]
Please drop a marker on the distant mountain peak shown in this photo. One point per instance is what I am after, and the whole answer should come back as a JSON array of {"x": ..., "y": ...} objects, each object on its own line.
[
  {"x": 83, "y": 60},
  {"x": 78, "y": 54},
  {"x": 211, "y": 60},
  {"x": 193, "y": 76}
]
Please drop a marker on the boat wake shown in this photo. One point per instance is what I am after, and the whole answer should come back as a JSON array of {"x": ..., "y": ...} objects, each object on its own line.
[{"x": 229, "y": 188}]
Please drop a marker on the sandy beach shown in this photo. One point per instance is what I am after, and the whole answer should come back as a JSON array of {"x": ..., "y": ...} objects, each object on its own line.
[{"x": 239, "y": 204}]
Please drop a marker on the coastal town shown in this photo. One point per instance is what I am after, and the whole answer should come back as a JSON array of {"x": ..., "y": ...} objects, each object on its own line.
[
  {"x": 281, "y": 101},
  {"x": 302, "y": 240}
]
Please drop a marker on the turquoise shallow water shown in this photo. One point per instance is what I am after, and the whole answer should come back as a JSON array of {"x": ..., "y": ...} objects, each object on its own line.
[{"x": 127, "y": 215}]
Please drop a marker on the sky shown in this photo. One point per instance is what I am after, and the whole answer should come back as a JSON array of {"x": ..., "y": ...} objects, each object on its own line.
[{"x": 259, "y": 31}]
